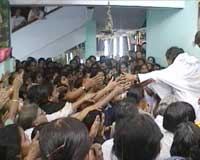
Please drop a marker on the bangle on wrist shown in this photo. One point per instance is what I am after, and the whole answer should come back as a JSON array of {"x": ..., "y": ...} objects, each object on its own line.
[{"x": 14, "y": 100}]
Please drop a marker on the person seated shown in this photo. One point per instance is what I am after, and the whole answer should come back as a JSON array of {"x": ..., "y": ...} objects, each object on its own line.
[
  {"x": 17, "y": 20},
  {"x": 137, "y": 138}
]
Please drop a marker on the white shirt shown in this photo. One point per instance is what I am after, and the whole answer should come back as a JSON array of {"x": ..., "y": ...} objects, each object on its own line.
[
  {"x": 66, "y": 111},
  {"x": 182, "y": 79},
  {"x": 107, "y": 150},
  {"x": 16, "y": 21},
  {"x": 166, "y": 141}
]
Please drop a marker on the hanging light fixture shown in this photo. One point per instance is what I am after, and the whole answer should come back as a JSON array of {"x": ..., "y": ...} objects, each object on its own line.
[{"x": 108, "y": 28}]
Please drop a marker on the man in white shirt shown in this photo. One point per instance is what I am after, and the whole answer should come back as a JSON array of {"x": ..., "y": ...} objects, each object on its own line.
[{"x": 181, "y": 78}]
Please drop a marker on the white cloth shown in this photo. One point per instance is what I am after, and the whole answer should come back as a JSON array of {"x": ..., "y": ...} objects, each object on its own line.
[
  {"x": 107, "y": 150},
  {"x": 32, "y": 14},
  {"x": 166, "y": 141},
  {"x": 66, "y": 111},
  {"x": 16, "y": 21},
  {"x": 182, "y": 79}
]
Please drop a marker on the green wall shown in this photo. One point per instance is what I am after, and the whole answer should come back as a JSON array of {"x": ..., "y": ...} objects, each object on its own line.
[
  {"x": 172, "y": 27},
  {"x": 90, "y": 44}
]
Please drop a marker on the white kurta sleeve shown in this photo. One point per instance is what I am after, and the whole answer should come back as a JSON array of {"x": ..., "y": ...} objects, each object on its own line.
[{"x": 65, "y": 112}]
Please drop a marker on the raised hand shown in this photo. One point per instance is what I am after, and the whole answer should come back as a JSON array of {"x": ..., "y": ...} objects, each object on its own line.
[
  {"x": 112, "y": 83},
  {"x": 5, "y": 96},
  {"x": 18, "y": 81},
  {"x": 95, "y": 127}
]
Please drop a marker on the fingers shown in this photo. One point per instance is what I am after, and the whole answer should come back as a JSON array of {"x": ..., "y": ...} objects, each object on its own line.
[{"x": 96, "y": 152}]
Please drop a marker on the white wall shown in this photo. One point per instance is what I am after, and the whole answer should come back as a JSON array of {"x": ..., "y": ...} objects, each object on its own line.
[
  {"x": 60, "y": 31},
  {"x": 142, "y": 3}
]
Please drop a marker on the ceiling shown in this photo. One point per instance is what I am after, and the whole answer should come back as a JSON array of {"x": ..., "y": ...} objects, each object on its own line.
[{"x": 124, "y": 18}]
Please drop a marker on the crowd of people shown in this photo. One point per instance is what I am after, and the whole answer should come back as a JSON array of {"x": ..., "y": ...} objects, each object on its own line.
[{"x": 106, "y": 109}]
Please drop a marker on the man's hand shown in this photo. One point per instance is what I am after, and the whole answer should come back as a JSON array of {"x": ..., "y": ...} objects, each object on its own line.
[{"x": 129, "y": 77}]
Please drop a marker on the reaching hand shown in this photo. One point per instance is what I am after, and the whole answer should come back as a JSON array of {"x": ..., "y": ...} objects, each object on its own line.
[
  {"x": 95, "y": 127},
  {"x": 18, "y": 81},
  {"x": 112, "y": 83},
  {"x": 129, "y": 77},
  {"x": 4, "y": 96},
  {"x": 89, "y": 97}
]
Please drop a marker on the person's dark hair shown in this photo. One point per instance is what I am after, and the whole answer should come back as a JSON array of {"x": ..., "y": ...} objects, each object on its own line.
[
  {"x": 136, "y": 92},
  {"x": 37, "y": 129},
  {"x": 177, "y": 113},
  {"x": 95, "y": 69},
  {"x": 27, "y": 116},
  {"x": 10, "y": 140},
  {"x": 197, "y": 38},
  {"x": 39, "y": 94},
  {"x": 69, "y": 140},
  {"x": 125, "y": 108},
  {"x": 41, "y": 60},
  {"x": 151, "y": 58},
  {"x": 173, "y": 52},
  {"x": 137, "y": 138},
  {"x": 186, "y": 139}
]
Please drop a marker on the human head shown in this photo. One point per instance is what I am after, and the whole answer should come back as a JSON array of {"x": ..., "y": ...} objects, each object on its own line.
[
  {"x": 31, "y": 115},
  {"x": 140, "y": 61},
  {"x": 136, "y": 92},
  {"x": 78, "y": 59},
  {"x": 13, "y": 143},
  {"x": 156, "y": 67},
  {"x": 186, "y": 139},
  {"x": 61, "y": 80},
  {"x": 151, "y": 60},
  {"x": 88, "y": 63},
  {"x": 41, "y": 62},
  {"x": 123, "y": 67},
  {"x": 172, "y": 53},
  {"x": 164, "y": 103},
  {"x": 144, "y": 68},
  {"x": 41, "y": 94},
  {"x": 93, "y": 59},
  {"x": 69, "y": 140},
  {"x": 177, "y": 113},
  {"x": 125, "y": 108},
  {"x": 18, "y": 12},
  {"x": 137, "y": 138},
  {"x": 138, "y": 55},
  {"x": 197, "y": 39}
]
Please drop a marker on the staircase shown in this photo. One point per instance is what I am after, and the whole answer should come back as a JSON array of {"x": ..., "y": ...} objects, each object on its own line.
[{"x": 58, "y": 32}]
